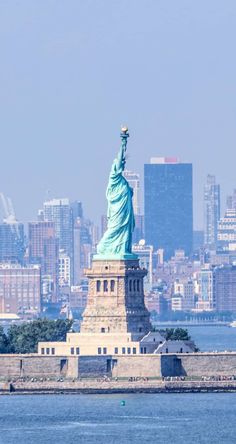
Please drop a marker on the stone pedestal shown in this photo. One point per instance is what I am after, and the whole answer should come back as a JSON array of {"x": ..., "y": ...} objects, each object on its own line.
[{"x": 116, "y": 299}]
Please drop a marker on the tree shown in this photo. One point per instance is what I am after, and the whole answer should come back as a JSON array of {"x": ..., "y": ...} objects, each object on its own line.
[
  {"x": 24, "y": 338},
  {"x": 4, "y": 346},
  {"x": 177, "y": 334}
]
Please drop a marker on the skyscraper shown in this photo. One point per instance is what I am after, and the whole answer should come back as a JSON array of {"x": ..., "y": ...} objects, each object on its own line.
[
  {"x": 12, "y": 242},
  {"x": 134, "y": 182},
  {"x": 60, "y": 212},
  {"x": 77, "y": 209},
  {"x": 43, "y": 250},
  {"x": 225, "y": 288},
  {"x": 231, "y": 201},
  {"x": 103, "y": 224},
  {"x": 168, "y": 205},
  {"x": 227, "y": 231},
  {"x": 86, "y": 237},
  {"x": 211, "y": 211}
]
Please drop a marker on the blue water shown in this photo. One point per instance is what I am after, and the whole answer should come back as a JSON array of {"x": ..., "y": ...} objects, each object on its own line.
[
  {"x": 162, "y": 418},
  {"x": 217, "y": 338}
]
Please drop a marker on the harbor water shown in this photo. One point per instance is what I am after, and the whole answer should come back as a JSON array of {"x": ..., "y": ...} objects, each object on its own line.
[{"x": 139, "y": 418}]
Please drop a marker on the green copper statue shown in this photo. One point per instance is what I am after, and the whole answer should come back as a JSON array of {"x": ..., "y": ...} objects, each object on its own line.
[{"x": 116, "y": 242}]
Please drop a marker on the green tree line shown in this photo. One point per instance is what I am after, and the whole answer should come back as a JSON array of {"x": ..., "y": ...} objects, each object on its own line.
[{"x": 24, "y": 338}]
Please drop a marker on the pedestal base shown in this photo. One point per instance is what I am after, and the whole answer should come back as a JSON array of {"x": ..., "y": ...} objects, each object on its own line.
[{"x": 116, "y": 299}]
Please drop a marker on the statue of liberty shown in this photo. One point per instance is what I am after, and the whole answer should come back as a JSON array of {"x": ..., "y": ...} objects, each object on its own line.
[{"x": 116, "y": 242}]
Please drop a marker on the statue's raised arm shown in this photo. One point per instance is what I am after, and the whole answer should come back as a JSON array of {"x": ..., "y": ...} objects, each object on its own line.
[
  {"x": 116, "y": 242},
  {"x": 118, "y": 165}
]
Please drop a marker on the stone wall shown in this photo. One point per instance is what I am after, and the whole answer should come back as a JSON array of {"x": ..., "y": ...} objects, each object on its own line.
[
  {"x": 137, "y": 366},
  {"x": 10, "y": 366},
  {"x": 94, "y": 366},
  {"x": 117, "y": 366},
  {"x": 208, "y": 364},
  {"x": 35, "y": 366}
]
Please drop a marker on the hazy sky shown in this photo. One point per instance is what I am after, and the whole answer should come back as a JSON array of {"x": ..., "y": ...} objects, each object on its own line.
[{"x": 72, "y": 71}]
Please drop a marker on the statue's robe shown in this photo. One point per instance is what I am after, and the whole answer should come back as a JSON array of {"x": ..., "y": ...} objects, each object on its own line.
[{"x": 117, "y": 240}]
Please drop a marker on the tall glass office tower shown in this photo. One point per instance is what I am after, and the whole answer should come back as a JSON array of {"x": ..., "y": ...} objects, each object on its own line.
[
  {"x": 211, "y": 211},
  {"x": 168, "y": 205},
  {"x": 60, "y": 212},
  {"x": 12, "y": 242}
]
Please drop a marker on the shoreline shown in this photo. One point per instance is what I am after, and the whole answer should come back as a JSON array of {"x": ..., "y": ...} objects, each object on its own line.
[{"x": 121, "y": 387}]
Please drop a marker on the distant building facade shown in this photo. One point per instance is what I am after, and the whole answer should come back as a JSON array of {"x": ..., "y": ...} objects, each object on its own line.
[
  {"x": 134, "y": 182},
  {"x": 145, "y": 254},
  {"x": 198, "y": 239},
  {"x": 43, "y": 250},
  {"x": 231, "y": 201},
  {"x": 183, "y": 298},
  {"x": 211, "y": 211},
  {"x": 225, "y": 288},
  {"x": 104, "y": 221},
  {"x": 227, "y": 231},
  {"x": 60, "y": 212},
  {"x": 64, "y": 267},
  {"x": 12, "y": 242},
  {"x": 20, "y": 289},
  {"x": 168, "y": 205},
  {"x": 206, "y": 298},
  {"x": 78, "y": 297}
]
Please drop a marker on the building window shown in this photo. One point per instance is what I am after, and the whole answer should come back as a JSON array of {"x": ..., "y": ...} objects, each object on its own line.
[
  {"x": 77, "y": 350},
  {"x": 123, "y": 350},
  {"x": 166, "y": 350},
  {"x": 42, "y": 351},
  {"x": 128, "y": 350},
  {"x": 140, "y": 329},
  {"x": 98, "y": 286},
  {"x": 116, "y": 350},
  {"x": 47, "y": 351},
  {"x": 134, "y": 285},
  {"x": 53, "y": 351},
  {"x": 99, "y": 351},
  {"x": 104, "y": 350},
  {"x": 112, "y": 285},
  {"x": 130, "y": 285},
  {"x": 72, "y": 351},
  {"x": 138, "y": 285},
  {"x": 144, "y": 350},
  {"x": 181, "y": 350},
  {"x": 105, "y": 286},
  {"x": 103, "y": 330},
  {"x": 134, "y": 351}
]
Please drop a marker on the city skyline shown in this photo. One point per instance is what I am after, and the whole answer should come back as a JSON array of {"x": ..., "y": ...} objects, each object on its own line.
[
  {"x": 164, "y": 69},
  {"x": 226, "y": 202}
]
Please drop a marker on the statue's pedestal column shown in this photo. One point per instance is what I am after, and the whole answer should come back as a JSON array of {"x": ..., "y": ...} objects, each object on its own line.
[{"x": 116, "y": 299}]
